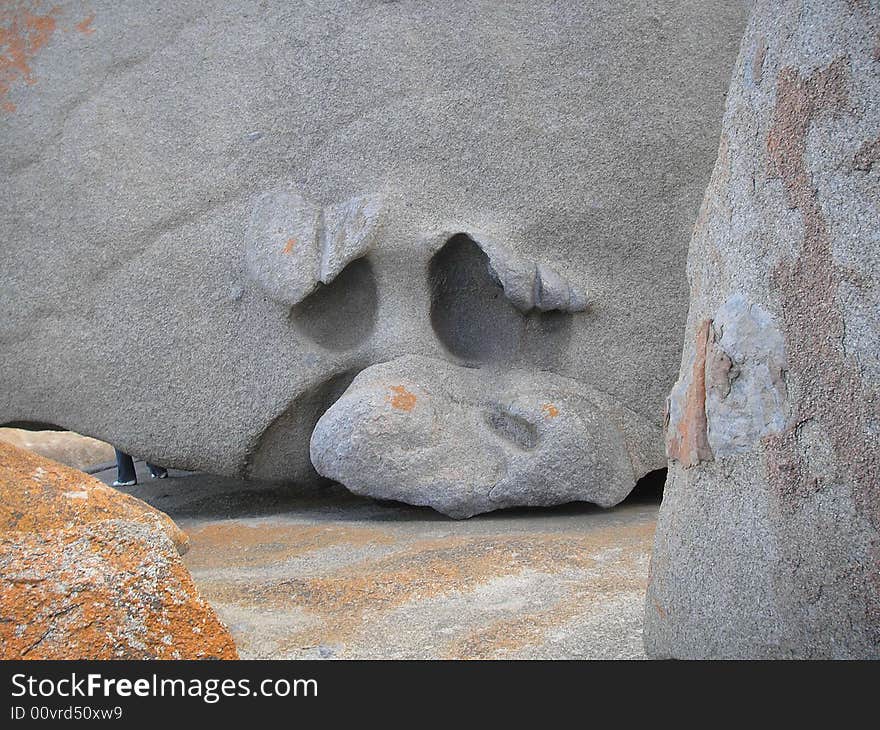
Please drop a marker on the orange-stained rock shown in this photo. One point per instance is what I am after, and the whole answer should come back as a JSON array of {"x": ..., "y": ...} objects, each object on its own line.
[
  {"x": 87, "y": 572},
  {"x": 37, "y": 494},
  {"x": 109, "y": 590}
]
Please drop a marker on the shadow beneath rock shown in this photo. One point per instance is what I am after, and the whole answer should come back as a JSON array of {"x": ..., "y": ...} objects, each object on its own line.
[
  {"x": 194, "y": 495},
  {"x": 649, "y": 489}
]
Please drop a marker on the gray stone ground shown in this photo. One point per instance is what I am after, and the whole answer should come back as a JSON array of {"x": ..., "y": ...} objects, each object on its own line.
[{"x": 327, "y": 574}]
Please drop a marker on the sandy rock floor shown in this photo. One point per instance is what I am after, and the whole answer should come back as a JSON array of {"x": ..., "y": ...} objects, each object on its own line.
[{"x": 325, "y": 574}]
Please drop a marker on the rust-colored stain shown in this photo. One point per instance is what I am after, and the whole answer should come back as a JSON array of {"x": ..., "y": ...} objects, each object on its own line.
[
  {"x": 798, "y": 102},
  {"x": 23, "y": 32},
  {"x": 349, "y": 598},
  {"x": 834, "y": 393},
  {"x": 222, "y": 544},
  {"x": 288, "y": 247},
  {"x": 503, "y": 637},
  {"x": 549, "y": 410},
  {"x": 85, "y": 27},
  {"x": 838, "y": 397},
  {"x": 25, "y": 28},
  {"x": 687, "y": 440},
  {"x": 402, "y": 399}
]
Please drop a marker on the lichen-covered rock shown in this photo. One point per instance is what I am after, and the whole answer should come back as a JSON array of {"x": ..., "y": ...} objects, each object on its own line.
[
  {"x": 222, "y": 212},
  {"x": 107, "y": 590},
  {"x": 89, "y": 573},
  {"x": 38, "y": 494},
  {"x": 66, "y": 447},
  {"x": 465, "y": 441},
  {"x": 767, "y": 543}
]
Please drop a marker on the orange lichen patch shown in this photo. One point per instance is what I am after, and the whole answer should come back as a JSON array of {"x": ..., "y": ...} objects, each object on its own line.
[
  {"x": 288, "y": 247},
  {"x": 549, "y": 410},
  {"x": 402, "y": 399},
  {"x": 503, "y": 637},
  {"x": 687, "y": 439},
  {"x": 38, "y": 494},
  {"x": 8, "y": 106},
  {"x": 114, "y": 590},
  {"x": 220, "y": 544},
  {"x": 349, "y": 597},
  {"x": 85, "y": 27},
  {"x": 23, "y": 32}
]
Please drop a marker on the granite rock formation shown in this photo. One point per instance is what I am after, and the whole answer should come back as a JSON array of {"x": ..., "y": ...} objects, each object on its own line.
[
  {"x": 216, "y": 216},
  {"x": 87, "y": 572},
  {"x": 465, "y": 441},
  {"x": 767, "y": 544}
]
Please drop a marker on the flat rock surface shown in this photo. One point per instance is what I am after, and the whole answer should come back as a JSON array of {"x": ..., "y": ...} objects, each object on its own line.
[{"x": 327, "y": 574}]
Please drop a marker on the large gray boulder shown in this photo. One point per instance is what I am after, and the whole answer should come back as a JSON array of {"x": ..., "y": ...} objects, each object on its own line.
[
  {"x": 215, "y": 215},
  {"x": 465, "y": 441},
  {"x": 767, "y": 543}
]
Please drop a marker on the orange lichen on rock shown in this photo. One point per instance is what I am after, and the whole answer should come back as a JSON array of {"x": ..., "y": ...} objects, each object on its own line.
[
  {"x": 38, "y": 494},
  {"x": 288, "y": 247},
  {"x": 113, "y": 590},
  {"x": 402, "y": 399},
  {"x": 23, "y": 32},
  {"x": 85, "y": 27},
  {"x": 549, "y": 410},
  {"x": 87, "y": 572}
]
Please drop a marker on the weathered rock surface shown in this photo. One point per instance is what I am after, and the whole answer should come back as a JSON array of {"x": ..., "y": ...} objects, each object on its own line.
[
  {"x": 39, "y": 494},
  {"x": 320, "y": 573},
  {"x": 89, "y": 573},
  {"x": 465, "y": 441},
  {"x": 67, "y": 447},
  {"x": 767, "y": 543},
  {"x": 280, "y": 203}
]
